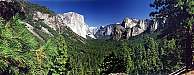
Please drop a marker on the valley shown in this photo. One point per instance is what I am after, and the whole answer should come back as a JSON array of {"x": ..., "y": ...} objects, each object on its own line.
[{"x": 35, "y": 40}]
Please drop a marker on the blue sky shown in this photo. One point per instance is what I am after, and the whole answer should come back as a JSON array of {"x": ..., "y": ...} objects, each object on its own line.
[{"x": 100, "y": 12}]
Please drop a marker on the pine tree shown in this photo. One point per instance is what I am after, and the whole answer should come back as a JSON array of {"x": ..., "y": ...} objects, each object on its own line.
[
  {"x": 56, "y": 53},
  {"x": 178, "y": 15}
]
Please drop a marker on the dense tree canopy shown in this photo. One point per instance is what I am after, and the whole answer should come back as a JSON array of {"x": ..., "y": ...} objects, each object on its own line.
[{"x": 69, "y": 54}]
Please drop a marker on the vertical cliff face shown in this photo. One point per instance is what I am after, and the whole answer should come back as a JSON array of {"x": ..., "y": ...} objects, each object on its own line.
[
  {"x": 105, "y": 32},
  {"x": 72, "y": 20},
  {"x": 134, "y": 27},
  {"x": 128, "y": 28},
  {"x": 129, "y": 23}
]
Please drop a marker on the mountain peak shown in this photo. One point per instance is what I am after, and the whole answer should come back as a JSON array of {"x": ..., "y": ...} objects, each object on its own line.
[
  {"x": 128, "y": 28},
  {"x": 72, "y": 20}
]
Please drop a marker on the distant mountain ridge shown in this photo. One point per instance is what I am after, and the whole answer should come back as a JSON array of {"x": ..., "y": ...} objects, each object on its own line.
[
  {"x": 75, "y": 21},
  {"x": 57, "y": 22},
  {"x": 128, "y": 28}
]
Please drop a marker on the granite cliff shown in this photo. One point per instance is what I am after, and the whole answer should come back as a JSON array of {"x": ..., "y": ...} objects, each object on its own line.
[
  {"x": 72, "y": 20},
  {"x": 128, "y": 28}
]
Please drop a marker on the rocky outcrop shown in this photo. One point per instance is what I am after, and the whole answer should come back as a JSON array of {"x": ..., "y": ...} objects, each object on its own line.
[
  {"x": 128, "y": 28},
  {"x": 133, "y": 27},
  {"x": 105, "y": 32},
  {"x": 72, "y": 20},
  {"x": 31, "y": 29},
  {"x": 92, "y": 31},
  {"x": 139, "y": 28},
  {"x": 45, "y": 30},
  {"x": 129, "y": 23},
  {"x": 118, "y": 32}
]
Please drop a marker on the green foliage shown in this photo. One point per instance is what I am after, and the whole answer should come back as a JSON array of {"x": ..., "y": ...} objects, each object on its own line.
[
  {"x": 29, "y": 7},
  {"x": 22, "y": 53},
  {"x": 56, "y": 53},
  {"x": 113, "y": 64},
  {"x": 69, "y": 54},
  {"x": 177, "y": 34},
  {"x": 169, "y": 50},
  {"x": 144, "y": 56},
  {"x": 14, "y": 47}
]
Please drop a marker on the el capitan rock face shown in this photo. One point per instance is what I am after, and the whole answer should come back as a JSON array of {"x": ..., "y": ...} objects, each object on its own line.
[{"x": 72, "y": 20}]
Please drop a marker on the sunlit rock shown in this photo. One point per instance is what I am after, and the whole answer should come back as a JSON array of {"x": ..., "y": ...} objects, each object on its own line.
[{"x": 72, "y": 20}]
